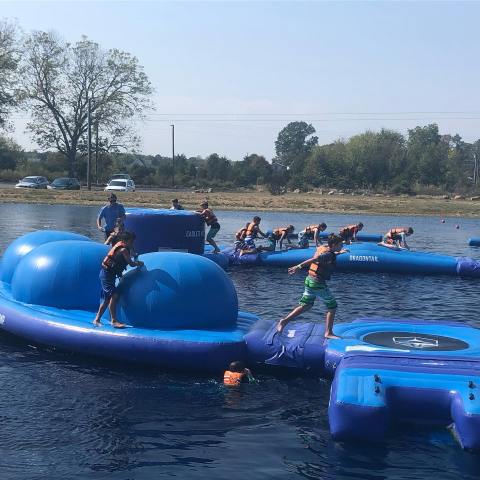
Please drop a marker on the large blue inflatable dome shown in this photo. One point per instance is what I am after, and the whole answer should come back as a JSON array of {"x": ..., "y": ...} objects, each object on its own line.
[
  {"x": 178, "y": 291},
  {"x": 26, "y": 243},
  {"x": 60, "y": 274}
]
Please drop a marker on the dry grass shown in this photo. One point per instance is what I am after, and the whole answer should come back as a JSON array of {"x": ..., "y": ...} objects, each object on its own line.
[{"x": 257, "y": 201}]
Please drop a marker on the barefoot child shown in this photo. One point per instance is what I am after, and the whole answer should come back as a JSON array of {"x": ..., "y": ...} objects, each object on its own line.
[
  {"x": 212, "y": 222},
  {"x": 113, "y": 266},
  {"x": 321, "y": 266},
  {"x": 396, "y": 238}
]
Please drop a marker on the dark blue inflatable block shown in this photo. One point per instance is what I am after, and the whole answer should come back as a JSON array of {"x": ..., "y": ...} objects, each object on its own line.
[{"x": 158, "y": 229}]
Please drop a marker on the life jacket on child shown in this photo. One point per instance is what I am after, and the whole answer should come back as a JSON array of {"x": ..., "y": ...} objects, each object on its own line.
[
  {"x": 233, "y": 379},
  {"x": 349, "y": 231},
  {"x": 241, "y": 234},
  {"x": 394, "y": 233},
  {"x": 278, "y": 232},
  {"x": 251, "y": 230},
  {"x": 114, "y": 261},
  {"x": 322, "y": 270},
  {"x": 310, "y": 230}
]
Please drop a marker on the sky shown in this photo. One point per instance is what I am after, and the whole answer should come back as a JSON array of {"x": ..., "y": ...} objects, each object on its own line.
[{"x": 231, "y": 74}]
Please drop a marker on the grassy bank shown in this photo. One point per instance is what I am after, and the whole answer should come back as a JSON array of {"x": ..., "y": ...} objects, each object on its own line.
[{"x": 258, "y": 201}]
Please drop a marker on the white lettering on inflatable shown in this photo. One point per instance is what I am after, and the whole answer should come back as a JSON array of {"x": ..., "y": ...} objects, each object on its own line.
[
  {"x": 2, "y": 318},
  {"x": 193, "y": 233},
  {"x": 363, "y": 258}
]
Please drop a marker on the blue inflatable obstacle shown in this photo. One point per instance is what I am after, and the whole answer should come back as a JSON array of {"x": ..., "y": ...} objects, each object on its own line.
[
  {"x": 368, "y": 257},
  {"x": 161, "y": 229},
  {"x": 474, "y": 241},
  {"x": 181, "y": 309},
  {"x": 386, "y": 372},
  {"x": 169, "y": 230}
]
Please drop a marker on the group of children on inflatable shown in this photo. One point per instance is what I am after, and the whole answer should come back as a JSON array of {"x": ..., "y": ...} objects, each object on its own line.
[{"x": 245, "y": 237}]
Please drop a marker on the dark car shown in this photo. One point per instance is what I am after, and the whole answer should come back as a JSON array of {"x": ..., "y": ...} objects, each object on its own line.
[
  {"x": 32, "y": 182},
  {"x": 65, "y": 183}
]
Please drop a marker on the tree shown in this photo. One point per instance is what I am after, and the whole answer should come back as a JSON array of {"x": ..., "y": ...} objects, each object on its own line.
[
  {"x": 218, "y": 168},
  {"x": 9, "y": 56},
  {"x": 10, "y": 154},
  {"x": 293, "y": 145},
  {"x": 59, "y": 78}
]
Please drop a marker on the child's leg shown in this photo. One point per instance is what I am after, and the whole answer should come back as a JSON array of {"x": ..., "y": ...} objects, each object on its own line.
[
  {"x": 294, "y": 313},
  {"x": 329, "y": 319},
  {"x": 113, "y": 311},
  {"x": 101, "y": 310}
]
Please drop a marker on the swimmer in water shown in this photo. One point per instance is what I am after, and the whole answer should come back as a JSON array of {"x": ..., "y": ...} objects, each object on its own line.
[{"x": 237, "y": 374}]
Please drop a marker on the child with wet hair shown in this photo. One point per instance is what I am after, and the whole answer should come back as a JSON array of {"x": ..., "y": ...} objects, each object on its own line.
[{"x": 237, "y": 374}]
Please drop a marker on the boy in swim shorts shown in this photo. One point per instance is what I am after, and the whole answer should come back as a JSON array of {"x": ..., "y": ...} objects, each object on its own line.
[{"x": 320, "y": 266}]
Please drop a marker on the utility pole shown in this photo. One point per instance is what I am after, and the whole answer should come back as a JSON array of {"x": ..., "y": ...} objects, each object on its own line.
[
  {"x": 173, "y": 155},
  {"x": 96, "y": 150},
  {"x": 89, "y": 144},
  {"x": 475, "y": 169}
]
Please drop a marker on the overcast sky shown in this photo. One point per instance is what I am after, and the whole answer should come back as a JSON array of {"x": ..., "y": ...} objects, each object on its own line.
[{"x": 230, "y": 75}]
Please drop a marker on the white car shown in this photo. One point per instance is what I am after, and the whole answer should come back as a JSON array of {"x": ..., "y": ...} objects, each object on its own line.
[{"x": 120, "y": 185}]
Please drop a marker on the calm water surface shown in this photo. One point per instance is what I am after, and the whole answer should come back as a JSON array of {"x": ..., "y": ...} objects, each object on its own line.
[{"x": 67, "y": 417}]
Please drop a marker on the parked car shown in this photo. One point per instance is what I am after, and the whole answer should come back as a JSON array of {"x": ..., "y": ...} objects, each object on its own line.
[
  {"x": 32, "y": 182},
  {"x": 120, "y": 176},
  {"x": 65, "y": 183},
  {"x": 122, "y": 185}
]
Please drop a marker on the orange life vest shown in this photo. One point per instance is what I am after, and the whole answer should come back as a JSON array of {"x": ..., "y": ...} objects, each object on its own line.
[
  {"x": 251, "y": 229},
  {"x": 209, "y": 217},
  {"x": 278, "y": 232},
  {"x": 310, "y": 230},
  {"x": 394, "y": 233},
  {"x": 233, "y": 379},
  {"x": 318, "y": 270},
  {"x": 241, "y": 234},
  {"x": 111, "y": 263},
  {"x": 350, "y": 230}
]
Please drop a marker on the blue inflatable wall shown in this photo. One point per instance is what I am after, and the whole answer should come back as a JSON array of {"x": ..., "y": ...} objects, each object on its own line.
[
  {"x": 160, "y": 229},
  {"x": 61, "y": 274},
  {"x": 25, "y": 244}
]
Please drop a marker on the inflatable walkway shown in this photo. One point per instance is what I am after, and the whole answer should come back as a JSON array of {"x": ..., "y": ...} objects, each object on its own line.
[
  {"x": 474, "y": 241},
  {"x": 368, "y": 257}
]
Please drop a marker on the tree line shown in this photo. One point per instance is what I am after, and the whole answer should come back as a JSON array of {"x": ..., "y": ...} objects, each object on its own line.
[{"x": 76, "y": 92}]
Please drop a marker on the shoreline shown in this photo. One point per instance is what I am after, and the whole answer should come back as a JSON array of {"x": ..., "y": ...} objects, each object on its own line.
[{"x": 257, "y": 201}]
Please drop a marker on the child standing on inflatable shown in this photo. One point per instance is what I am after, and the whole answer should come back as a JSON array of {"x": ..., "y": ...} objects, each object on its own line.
[
  {"x": 113, "y": 266},
  {"x": 349, "y": 233},
  {"x": 396, "y": 238},
  {"x": 321, "y": 267},
  {"x": 212, "y": 222},
  {"x": 310, "y": 232}
]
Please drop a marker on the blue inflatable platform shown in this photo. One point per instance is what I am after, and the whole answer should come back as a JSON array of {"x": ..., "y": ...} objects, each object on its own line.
[
  {"x": 386, "y": 371},
  {"x": 368, "y": 257},
  {"x": 181, "y": 309}
]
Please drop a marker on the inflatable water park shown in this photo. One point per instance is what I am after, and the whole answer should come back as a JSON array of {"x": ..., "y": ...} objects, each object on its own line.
[{"x": 181, "y": 312}]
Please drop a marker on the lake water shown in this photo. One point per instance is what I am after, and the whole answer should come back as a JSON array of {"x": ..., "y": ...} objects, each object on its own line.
[{"x": 64, "y": 416}]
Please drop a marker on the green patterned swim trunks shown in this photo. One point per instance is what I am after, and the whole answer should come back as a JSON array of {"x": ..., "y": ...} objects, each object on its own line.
[{"x": 317, "y": 288}]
